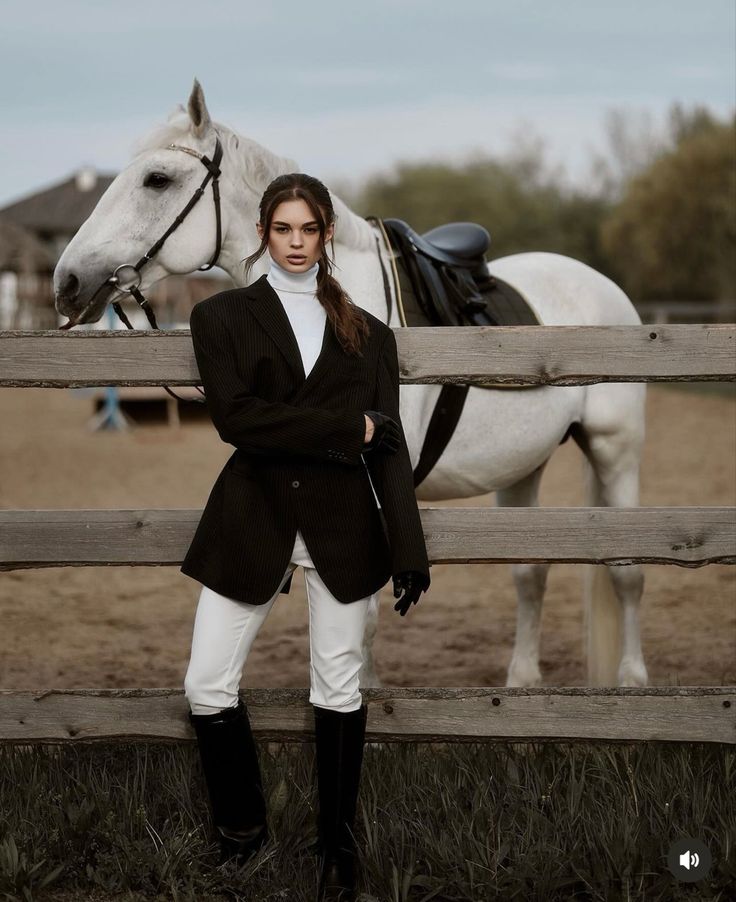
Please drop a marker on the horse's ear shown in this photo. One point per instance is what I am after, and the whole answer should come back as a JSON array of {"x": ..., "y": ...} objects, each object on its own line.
[
  {"x": 177, "y": 111},
  {"x": 198, "y": 112}
]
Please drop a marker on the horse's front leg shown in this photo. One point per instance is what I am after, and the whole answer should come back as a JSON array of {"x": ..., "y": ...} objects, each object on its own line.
[{"x": 368, "y": 677}]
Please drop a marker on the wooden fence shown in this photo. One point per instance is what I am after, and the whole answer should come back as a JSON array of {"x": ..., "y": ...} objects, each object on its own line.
[{"x": 527, "y": 355}]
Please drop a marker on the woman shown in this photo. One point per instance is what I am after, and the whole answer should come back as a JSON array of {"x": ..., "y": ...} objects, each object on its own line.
[{"x": 305, "y": 385}]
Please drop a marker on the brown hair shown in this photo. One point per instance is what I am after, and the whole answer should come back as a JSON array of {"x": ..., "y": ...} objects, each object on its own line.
[{"x": 347, "y": 320}]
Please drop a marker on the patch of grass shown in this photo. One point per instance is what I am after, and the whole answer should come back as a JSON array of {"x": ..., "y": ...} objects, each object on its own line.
[{"x": 477, "y": 821}]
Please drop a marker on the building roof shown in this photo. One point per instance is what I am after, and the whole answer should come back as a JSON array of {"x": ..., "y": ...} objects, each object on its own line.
[
  {"x": 21, "y": 251},
  {"x": 61, "y": 208}
]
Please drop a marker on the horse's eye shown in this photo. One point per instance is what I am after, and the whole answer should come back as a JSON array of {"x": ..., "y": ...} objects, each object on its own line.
[{"x": 156, "y": 180}]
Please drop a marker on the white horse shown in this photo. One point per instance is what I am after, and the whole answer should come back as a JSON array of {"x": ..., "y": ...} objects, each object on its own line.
[{"x": 504, "y": 437}]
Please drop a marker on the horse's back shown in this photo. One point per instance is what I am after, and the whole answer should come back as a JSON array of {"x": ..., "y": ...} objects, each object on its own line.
[{"x": 564, "y": 291}]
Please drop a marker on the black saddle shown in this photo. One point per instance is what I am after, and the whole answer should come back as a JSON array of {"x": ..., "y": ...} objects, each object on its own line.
[
  {"x": 446, "y": 271},
  {"x": 456, "y": 243}
]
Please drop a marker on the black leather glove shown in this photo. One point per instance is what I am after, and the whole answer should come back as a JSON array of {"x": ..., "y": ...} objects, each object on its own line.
[
  {"x": 413, "y": 583},
  {"x": 386, "y": 437}
]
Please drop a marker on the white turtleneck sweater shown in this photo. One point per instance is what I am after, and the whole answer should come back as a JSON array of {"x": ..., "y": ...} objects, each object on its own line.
[{"x": 297, "y": 292}]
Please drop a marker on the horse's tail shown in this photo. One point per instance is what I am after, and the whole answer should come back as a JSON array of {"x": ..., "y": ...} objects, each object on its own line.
[{"x": 603, "y": 625}]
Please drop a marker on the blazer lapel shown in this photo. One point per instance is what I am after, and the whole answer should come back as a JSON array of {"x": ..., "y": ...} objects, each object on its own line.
[{"x": 267, "y": 307}]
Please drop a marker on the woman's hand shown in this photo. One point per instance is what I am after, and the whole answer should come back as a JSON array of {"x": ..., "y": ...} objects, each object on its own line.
[
  {"x": 383, "y": 435},
  {"x": 412, "y": 583},
  {"x": 369, "y": 429}
]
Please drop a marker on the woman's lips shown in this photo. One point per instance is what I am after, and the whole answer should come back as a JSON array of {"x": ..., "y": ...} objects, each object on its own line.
[{"x": 296, "y": 259}]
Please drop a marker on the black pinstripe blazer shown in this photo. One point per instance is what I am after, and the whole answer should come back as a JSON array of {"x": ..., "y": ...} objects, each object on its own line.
[{"x": 297, "y": 463}]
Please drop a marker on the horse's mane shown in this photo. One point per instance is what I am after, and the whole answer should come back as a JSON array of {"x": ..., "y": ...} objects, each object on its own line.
[{"x": 257, "y": 166}]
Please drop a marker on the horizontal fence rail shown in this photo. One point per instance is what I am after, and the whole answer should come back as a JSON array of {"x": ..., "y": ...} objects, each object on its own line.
[
  {"x": 510, "y": 355},
  {"x": 686, "y": 536},
  {"x": 514, "y": 355},
  {"x": 674, "y": 714}
]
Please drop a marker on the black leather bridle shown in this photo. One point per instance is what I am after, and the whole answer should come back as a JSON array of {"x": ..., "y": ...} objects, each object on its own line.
[
  {"x": 133, "y": 280},
  {"x": 131, "y": 285}
]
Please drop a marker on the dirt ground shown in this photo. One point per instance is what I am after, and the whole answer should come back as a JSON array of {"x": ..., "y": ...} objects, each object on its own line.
[{"x": 131, "y": 626}]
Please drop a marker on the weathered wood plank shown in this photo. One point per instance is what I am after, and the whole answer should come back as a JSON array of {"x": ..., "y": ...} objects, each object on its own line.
[
  {"x": 673, "y": 714},
  {"x": 685, "y": 536},
  {"x": 513, "y": 355}
]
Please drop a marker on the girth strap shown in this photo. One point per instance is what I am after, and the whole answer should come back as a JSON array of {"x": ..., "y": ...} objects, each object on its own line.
[{"x": 441, "y": 427}]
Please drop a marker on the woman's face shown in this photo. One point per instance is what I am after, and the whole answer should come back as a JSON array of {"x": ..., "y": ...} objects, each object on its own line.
[{"x": 293, "y": 241}]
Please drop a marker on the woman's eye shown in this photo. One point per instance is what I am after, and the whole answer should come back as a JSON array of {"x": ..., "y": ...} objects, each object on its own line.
[{"x": 156, "y": 180}]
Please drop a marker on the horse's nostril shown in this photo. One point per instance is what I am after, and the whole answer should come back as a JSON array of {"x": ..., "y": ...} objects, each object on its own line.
[{"x": 68, "y": 287}]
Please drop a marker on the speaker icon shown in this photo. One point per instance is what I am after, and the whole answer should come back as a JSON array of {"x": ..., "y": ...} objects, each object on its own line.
[{"x": 689, "y": 859}]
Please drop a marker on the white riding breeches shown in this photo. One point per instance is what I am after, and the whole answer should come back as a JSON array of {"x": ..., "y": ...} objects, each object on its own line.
[{"x": 224, "y": 630}]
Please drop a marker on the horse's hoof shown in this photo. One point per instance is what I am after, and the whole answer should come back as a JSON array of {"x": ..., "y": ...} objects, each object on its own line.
[
  {"x": 632, "y": 674},
  {"x": 523, "y": 677},
  {"x": 370, "y": 681}
]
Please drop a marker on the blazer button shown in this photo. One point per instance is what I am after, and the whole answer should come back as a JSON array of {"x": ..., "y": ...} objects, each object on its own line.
[{"x": 295, "y": 483}]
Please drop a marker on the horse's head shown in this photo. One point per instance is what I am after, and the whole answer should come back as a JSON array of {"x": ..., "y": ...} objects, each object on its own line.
[{"x": 138, "y": 208}]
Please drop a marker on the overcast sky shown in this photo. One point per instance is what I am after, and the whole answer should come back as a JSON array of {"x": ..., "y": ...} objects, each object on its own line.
[{"x": 344, "y": 88}]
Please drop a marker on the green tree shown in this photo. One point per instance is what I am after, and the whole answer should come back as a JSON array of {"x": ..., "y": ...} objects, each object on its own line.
[
  {"x": 673, "y": 235},
  {"x": 520, "y": 200}
]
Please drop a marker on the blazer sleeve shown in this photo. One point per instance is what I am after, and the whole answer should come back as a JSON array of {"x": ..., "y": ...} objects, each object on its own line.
[
  {"x": 393, "y": 473},
  {"x": 259, "y": 426}
]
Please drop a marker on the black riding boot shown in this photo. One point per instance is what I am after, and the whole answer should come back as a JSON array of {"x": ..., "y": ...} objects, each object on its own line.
[
  {"x": 339, "y": 738},
  {"x": 233, "y": 776}
]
